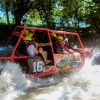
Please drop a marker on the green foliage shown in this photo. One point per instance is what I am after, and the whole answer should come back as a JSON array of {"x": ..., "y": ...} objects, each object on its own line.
[
  {"x": 33, "y": 17},
  {"x": 92, "y": 13},
  {"x": 47, "y": 12}
]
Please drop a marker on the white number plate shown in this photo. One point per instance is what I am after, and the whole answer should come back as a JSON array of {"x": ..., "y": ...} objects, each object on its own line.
[{"x": 38, "y": 66}]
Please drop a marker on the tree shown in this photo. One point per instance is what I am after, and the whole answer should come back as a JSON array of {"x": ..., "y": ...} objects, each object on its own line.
[
  {"x": 18, "y": 9},
  {"x": 45, "y": 9},
  {"x": 91, "y": 14},
  {"x": 74, "y": 11}
]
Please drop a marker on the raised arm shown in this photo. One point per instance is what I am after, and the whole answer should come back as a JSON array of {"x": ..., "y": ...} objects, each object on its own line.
[{"x": 44, "y": 44}]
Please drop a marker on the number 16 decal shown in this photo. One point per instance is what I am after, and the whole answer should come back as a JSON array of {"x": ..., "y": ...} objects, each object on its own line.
[{"x": 38, "y": 66}]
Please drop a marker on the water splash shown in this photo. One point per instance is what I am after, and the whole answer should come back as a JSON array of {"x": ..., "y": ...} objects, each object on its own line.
[
  {"x": 12, "y": 79},
  {"x": 81, "y": 85},
  {"x": 14, "y": 82}
]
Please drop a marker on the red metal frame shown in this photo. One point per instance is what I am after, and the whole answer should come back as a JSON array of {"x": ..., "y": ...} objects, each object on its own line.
[
  {"x": 21, "y": 36},
  {"x": 54, "y": 72}
]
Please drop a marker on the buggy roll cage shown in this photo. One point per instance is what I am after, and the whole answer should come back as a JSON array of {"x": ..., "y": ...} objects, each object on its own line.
[{"x": 20, "y": 36}]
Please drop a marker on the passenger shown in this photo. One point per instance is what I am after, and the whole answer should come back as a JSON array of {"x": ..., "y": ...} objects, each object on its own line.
[
  {"x": 73, "y": 50},
  {"x": 54, "y": 41},
  {"x": 42, "y": 52},
  {"x": 34, "y": 50},
  {"x": 67, "y": 49},
  {"x": 70, "y": 48},
  {"x": 60, "y": 45}
]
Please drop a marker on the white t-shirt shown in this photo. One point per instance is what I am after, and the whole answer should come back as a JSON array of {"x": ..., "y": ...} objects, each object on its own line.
[{"x": 30, "y": 50}]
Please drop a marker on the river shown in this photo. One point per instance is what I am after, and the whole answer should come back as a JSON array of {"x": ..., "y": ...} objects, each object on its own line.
[{"x": 83, "y": 84}]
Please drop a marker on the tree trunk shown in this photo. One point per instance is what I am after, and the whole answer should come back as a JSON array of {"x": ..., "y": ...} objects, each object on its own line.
[
  {"x": 7, "y": 17},
  {"x": 18, "y": 20}
]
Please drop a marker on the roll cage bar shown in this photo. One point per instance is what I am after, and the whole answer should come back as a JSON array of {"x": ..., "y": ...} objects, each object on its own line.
[{"x": 21, "y": 36}]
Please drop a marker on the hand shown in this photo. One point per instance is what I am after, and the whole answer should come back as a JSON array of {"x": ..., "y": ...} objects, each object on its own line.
[
  {"x": 66, "y": 39},
  {"x": 75, "y": 47}
]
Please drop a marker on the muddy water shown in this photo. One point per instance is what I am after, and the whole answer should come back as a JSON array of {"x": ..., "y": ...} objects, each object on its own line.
[
  {"x": 83, "y": 84},
  {"x": 80, "y": 85}
]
